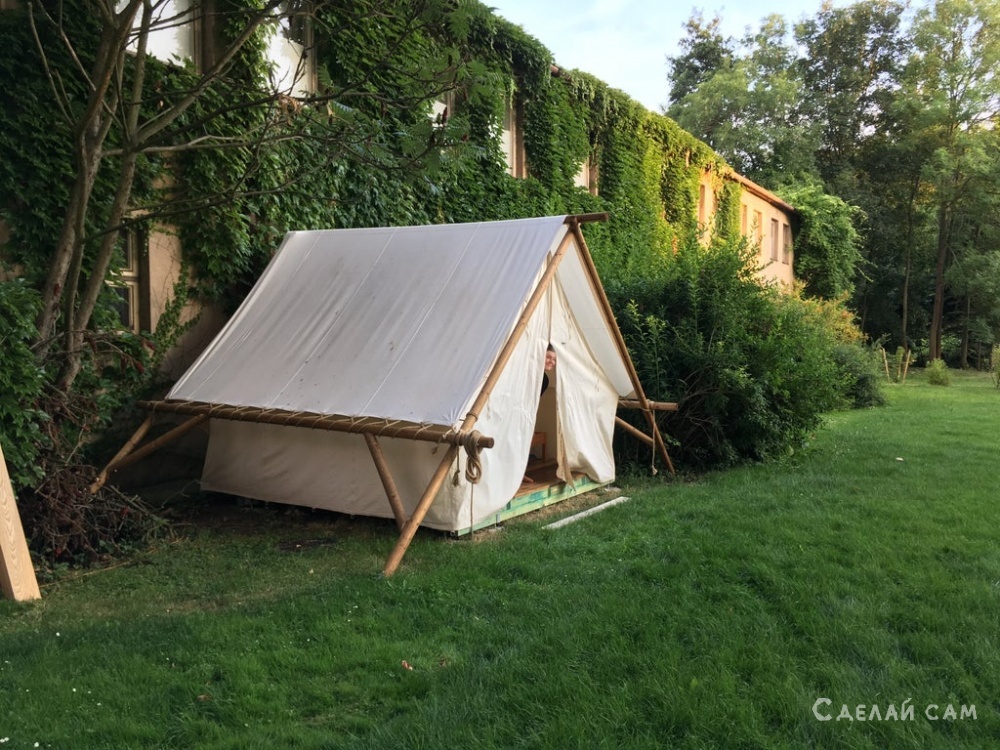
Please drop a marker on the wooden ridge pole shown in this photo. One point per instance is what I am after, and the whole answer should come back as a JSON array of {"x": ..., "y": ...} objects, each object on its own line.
[
  {"x": 17, "y": 574},
  {"x": 620, "y": 343},
  {"x": 410, "y": 529},
  {"x": 382, "y": 466}
]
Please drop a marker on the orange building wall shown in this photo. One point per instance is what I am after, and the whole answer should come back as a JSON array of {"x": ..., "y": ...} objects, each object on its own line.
[{"x": 759, "y": 209}]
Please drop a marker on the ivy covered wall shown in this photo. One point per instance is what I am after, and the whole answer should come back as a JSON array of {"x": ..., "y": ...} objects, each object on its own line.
[
  {"x": 648, "y": 169},
  {"x": 365, "y": 152}
]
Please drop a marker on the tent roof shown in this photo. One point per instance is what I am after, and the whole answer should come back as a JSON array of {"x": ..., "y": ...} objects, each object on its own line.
[{"x": 399, "y": 323}]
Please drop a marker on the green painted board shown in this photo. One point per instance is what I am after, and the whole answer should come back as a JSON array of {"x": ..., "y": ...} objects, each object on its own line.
[{"x": 540, "y": 498}]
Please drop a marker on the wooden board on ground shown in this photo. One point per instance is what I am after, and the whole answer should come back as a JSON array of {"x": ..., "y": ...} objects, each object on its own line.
[{"x": 17, "y": 575}]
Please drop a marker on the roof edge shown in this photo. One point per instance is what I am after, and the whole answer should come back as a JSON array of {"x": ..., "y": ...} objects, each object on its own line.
[{"x": 762, "y": 192}]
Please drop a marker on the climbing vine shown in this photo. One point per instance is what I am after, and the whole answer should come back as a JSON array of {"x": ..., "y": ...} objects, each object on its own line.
[{"x": 366, "y": 149}]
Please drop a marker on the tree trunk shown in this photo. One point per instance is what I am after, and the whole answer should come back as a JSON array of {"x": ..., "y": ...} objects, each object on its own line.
[
  {"x": 80, "y": 317},
  {"x": 906, "y": 300},
  {"x": 937, "y": 314},
  {"x": 91, "y": 133},
  {"x": 69, "y": 249},
  {"x": 964, "y": 357}
]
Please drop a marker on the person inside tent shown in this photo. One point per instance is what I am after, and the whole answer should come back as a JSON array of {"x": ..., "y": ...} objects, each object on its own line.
[{"x": 550, "y": 364}]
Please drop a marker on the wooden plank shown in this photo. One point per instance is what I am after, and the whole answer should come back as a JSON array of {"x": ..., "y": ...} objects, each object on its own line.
[
  {"x": 584, "y": 513},
  {"x": 17, "y": 574},
  {"x": 542, "y": 497}
]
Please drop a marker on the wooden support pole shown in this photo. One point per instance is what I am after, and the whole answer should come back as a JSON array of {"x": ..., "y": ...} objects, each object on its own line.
[
  {"x": 382, "y": 466},
  {"x": 628, "y": 403},
  {"x": 616, "y": 334},
  {"x": 515, "y": 336},
  {"x": 636, "y": 432},
  {"x": 133, "y": 441},
  {"x": 17, "y": 574},
  {"x": 155, "y": 445},
  {"x": 313, "y": 421},
  {"x": 410, "y": 529}
]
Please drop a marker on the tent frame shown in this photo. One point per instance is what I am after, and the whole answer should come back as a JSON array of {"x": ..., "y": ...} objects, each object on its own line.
[{"x": 371, "y": 428}]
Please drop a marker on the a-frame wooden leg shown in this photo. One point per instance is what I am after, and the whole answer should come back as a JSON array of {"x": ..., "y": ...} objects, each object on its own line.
[
  {"x": 382, "y": 466},
  {"x": 133, "y": 441},
  {"x": 410, "y": 529},
  {"x": 127, "y": 459}
]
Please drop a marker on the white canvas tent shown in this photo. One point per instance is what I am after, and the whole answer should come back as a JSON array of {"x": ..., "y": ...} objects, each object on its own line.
[{"x": 363, "y": 359}]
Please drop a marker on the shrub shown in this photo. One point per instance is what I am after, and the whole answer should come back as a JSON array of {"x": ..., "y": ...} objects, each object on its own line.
[
  {"x": 937, "y": 373},
  {"x": 752, "y": 367},
  {"x": 862, "y": 375},
  {"x": 995, "y": 365},
  {"x": 21, "y": 384}
]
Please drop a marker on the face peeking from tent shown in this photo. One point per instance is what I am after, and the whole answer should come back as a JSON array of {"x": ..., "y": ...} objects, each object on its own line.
[
  {"x": 550, "y": 365},
  {"x": 550, "y": 358}
]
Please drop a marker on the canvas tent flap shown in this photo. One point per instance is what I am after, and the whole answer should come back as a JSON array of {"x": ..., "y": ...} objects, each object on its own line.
[
  {"x": 587, "y": 399},
  {"x": 580, "y": 297},
  {"x": 349, "y": 321}
]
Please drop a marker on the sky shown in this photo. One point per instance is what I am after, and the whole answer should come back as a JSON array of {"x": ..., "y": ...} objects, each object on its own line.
[{"x": 625, "y": 43}]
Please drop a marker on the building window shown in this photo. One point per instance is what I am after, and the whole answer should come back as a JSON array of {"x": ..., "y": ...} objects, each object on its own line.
[
  {"x": 775, "y": 239},
  {"x": 172, "y": 31},
  {"x": 130, "y": 282},
  {"x": 744, "y": 221},
  {"x": 293, "y": 70},
  {"x": 582, "y": 178},
  {"x": 758, "y": 227},
  {"x": 587, "y": 177},
  {"x": 443, "y": 108},
  {"x": 786, "y": 247},
  {"x": 512, "y": 140}
]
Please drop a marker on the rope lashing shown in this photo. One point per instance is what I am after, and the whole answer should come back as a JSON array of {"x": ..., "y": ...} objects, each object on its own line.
[{"x": 473, "y": 464}]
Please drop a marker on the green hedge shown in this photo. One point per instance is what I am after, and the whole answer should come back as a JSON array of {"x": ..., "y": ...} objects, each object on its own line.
[{"x": 752, "y": 367}]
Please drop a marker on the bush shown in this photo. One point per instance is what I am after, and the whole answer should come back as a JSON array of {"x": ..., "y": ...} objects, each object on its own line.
[
  {"x": 752, "y": 367},
  {"x": 862, "y": 375},
  {"x": 937, "y": 373},
  {"x": 21, "y": 384}
]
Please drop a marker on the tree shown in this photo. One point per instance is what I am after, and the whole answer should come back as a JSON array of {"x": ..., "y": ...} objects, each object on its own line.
[
  {"x": 827, "y": 246},
  {"x": 100, "y": 137},
  {"x": 120, "y": 115},
  {"x": 750, "y": 110},
  {"x": 951, "y": 91},
  {"x": 849, "y": 67},
  {"x": 706, "y": 52}
]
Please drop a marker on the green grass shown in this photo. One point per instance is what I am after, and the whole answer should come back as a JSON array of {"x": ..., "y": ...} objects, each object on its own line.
[{"x": 701, "y": 614}]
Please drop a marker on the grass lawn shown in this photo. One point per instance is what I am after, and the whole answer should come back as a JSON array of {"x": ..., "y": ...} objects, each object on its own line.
[{"x": 715, "y": 613}]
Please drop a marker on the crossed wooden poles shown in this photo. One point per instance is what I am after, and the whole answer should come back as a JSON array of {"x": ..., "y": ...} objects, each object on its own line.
[{"x": 373, "y": 428}]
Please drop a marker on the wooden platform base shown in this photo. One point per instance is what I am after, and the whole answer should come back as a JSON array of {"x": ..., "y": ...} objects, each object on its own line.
[{"x": 545, "y": 489}]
